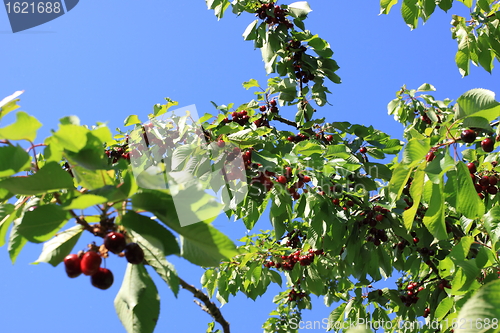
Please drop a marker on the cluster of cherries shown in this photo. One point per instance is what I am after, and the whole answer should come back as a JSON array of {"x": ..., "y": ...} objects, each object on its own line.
[
  {"x": 410, "y": 296},
  {"x": 89, "y": 263},
  {"x": 271, "y": 106},
  {"x": 273, "y": 15},
  {"x": 485, "y": 184},
  {"x": 297, "y": 138},
  {"x": 469, "y": 136},
  {"x": 118, "y": 152},
  {"x": 240, "y": 118},
  {"x": 288, "y": 262},
  {"x": 294, "y": 295},
  {"x": 301, "y": 74}
]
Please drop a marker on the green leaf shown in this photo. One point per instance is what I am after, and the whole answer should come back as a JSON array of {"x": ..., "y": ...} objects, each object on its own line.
[
  {"x": 194, "y": 254},
  {"x": 155, "y": 257},
  {"x": 72, "y": 137},
  {"x": 385, "y": 6},
  {"x": 60, "y": 246},
  {"x": 299, "y": 9},
  {"x": 461, "y": 250},
  {"x": 6, "y": 218},
  {"x": 16, "y": 241},
  {"x": 444, "y": 306},
  {"x": 13, "y": 159},
  {"x": 398, "y": 181},
  {"x": 426, "y": 87},
  {"x": 416, "y": 189},
  {"x": 131, "y": 120},
  {"x": 470, "y": 205},
  {"x": 137, "y": 302},
  {"x": 434, "y": 216},
  {"x": 483, "y": 307},
  {"x": 250, "y": 34},
  {"x": 24, "y": 128},
  {"x": 155, "y": 233},
  {"x": 410, "y": 12},
  {"x": 42, "y": 223},
  {"x": 445, "y": 4},
  {"x": 203, "y": 235},
  {"x": 492, "y": 223},
  {"x": 85, "y": 201},
  {"x": 474, "y": 101},
  {"x": 8, "y": 104},
  {"x": 415, "y": 151},
  {"x": 50, "y": 177},
  {"x": 468, "y": 3}
]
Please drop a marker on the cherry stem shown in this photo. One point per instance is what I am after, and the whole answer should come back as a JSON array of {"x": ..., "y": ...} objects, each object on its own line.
[{"x": 207, "y": 306}]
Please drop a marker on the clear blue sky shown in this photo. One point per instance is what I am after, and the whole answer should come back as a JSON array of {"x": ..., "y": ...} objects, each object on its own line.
[{"x": 105, "y": 60}]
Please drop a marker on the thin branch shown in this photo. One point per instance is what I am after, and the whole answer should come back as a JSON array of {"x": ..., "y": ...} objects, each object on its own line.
[
  {"x": 79, "y": 220},
  {"x": 207, "y": 306}
]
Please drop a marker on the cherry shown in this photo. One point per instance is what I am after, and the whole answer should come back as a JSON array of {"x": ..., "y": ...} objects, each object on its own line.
[
  {"x": 492, "y": 190},
  {"x": 134, "y": 253},
  {"x": 90, "y": 263},
  {"x": 350, "y": 203},
  {"x": 72, "y": 265},
  {"x": 416, "y": 240},
  {"x": 115, "y": 242},
  {"x": 484, "y": 181},
  {"x": 263, "y": 108},
  {"x": 430, "y": 156},
  {"x": 363, "y": 150},
  {"x": 295, "y": 196},
  {"x": 282, "y": 179},
  {"x": 468, "y": 136},
  {"x": 379, "y": 217},
  {"x": 273, "y": 102},
  {"x": 329, "y": 138},
  {"x": 472, "y": 167},
  {"x": 291, "y": 138},
  {"x": 221, "y": 143},
  {"x": 306, "y": 179},
  {"x": 493, "y": 180},
  {"x": 487, "y": 145},
  {"x": 336, "y": 201},
  {"x": 103, "y": 279}
]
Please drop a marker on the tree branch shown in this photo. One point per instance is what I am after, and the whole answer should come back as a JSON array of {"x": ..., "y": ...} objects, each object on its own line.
[{"x": 207, "y": 306}]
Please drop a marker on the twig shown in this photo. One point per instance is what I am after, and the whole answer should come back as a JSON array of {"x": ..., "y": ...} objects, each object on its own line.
[{"x": 207, "y": 306}]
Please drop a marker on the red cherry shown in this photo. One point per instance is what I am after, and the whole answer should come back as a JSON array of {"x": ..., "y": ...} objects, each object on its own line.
[
  {"x": 363, "y": 150},
  {"x": 90, "y": 263},
  {"x": 487, "y": 145},
  {"x": 115, "y": 242},
  {"x": 134, "y": 253},
  {"x": 221, "y": 143},
  {"x": 493, "y": 180},
  {"x": 263, "y": 108},
  {"x": 306, "y": 179},
  {"x": 468, "y": 136},
  {"x": 379, "y": 217},
  {"x": 472, "y": 167},
  {"x": 102, "y": 279},
  {"x": 350, "y": 203},
  {"x": 329, "y": 138},
  {"x": 416, "y": 240},
  {"x": 235, "y": 115},
  {"x": 282, "y": 179},
  {"x": 484, "y": 181},
  {"x": 336, "y": 201},
  {"x": 295, "y": 196},
  {"x": 430, "y": 156},
  {"x": 492, "y": 190},
  {"x": 273, "y": 102},
  {"x": 72, "y": 264}
]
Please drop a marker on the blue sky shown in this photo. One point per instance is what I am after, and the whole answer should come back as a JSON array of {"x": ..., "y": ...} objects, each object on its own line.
[{"x": 107, "y": 59}]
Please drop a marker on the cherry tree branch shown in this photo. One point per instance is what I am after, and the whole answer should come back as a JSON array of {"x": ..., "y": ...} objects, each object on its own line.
[{"x": 207, "y": 306}]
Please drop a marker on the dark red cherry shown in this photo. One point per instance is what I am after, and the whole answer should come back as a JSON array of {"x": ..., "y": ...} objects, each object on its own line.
[
  {"x": 90, "y": 263},
  {"x": 115, "y": 242},
  {"x": 134, "y": 253},
  {"x": 472, "y": 167},
  {"x": 102, "y": 279},
  {"x": 72, "y": 265},
  {"x": 487, "y": 145},
  {"x": 468, "y": 136}
]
